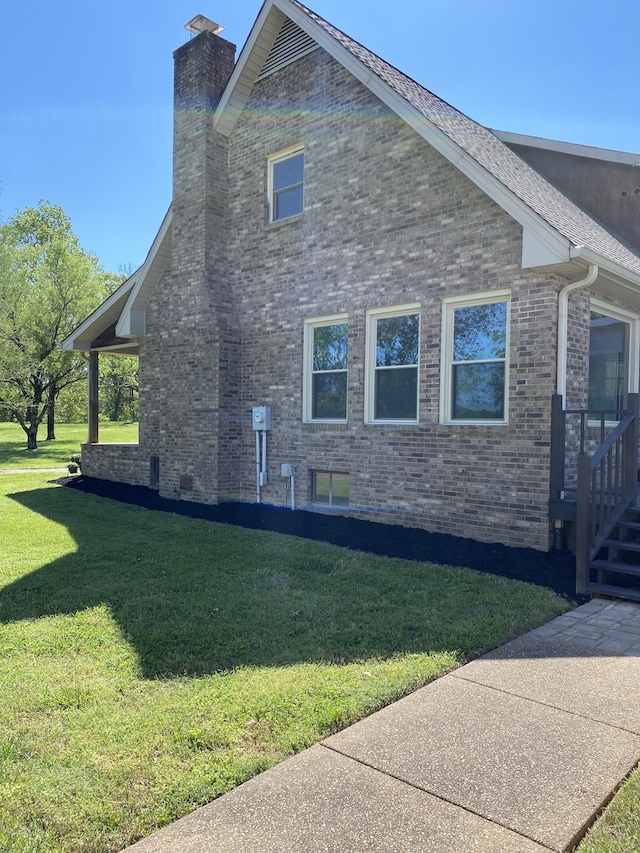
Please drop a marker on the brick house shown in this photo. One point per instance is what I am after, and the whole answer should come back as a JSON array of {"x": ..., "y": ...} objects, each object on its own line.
[{"x": 403, "y": 291}]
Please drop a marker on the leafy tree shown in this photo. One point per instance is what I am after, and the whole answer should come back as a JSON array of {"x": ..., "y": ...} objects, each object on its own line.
[
  {"x": 48, "y": 284},
  {"x": 119, "y": 387}
]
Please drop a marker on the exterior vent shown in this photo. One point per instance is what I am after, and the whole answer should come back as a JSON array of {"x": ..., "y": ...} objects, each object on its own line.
[{"x": 292, "y": 43}]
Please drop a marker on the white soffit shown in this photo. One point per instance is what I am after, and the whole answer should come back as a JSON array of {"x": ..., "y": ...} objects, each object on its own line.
[{"x": 103, "y": 317}]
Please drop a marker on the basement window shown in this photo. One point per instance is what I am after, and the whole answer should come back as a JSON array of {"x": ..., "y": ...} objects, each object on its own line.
[{"x": 329, "y": 488}]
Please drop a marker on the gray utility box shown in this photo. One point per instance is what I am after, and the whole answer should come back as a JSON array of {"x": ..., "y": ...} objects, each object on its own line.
[{"x": 261, "y": 417}]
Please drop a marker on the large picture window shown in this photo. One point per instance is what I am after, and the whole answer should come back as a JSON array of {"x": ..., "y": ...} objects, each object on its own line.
[
  {"x": 393, "y": 345},
  {"x": 325, "y": 368},
  {"x": 475, "y": 342},
  {"x": 612, "y": 368},
  {"x": 286, "y": 183}
]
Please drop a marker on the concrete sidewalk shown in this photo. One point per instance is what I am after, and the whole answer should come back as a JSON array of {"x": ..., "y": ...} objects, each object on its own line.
[{"x": 515, "y": 752}]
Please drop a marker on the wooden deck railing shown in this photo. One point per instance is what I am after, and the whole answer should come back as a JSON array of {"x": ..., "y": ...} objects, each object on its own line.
[{"x": 606, "y": 487}]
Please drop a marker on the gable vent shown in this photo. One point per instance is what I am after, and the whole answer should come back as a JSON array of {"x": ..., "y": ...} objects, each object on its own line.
[{"x": 292, "y": 43}]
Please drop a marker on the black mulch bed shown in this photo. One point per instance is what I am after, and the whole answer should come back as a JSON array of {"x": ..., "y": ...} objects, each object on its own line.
[{"x": 555, "y": 569}]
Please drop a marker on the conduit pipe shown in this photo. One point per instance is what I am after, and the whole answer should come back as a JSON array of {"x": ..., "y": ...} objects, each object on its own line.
[
  {"x": 563, "y": 324},
  {"x": 258, "y": 478}
]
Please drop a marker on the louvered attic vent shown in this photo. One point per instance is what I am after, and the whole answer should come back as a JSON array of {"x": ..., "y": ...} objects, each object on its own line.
[{"x": 292, "y": 43}]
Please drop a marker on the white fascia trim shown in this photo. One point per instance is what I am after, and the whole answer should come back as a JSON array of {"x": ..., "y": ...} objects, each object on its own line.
[
  {"x": 544, "y": 244},
  {"x": 621, "y": 274},
  {"x": 242, "y": 79},
  {"x": 81, "y": 337},
  {"x": 577, "y": 150},
  {"x": 132, "y": 319}
]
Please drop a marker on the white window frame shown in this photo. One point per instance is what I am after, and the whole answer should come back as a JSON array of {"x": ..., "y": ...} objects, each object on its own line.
[
  {"x": 372, "y": 317},
  {"x": 310, "y": 325},
  {"x": 272, "y": 161},
  {"x": 633, "y": 321},
  {"x": 449, "y": 304}
]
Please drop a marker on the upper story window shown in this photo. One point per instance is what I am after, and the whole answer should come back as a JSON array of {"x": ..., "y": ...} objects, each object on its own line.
[
  {"x": 325, "y": 368},
  {"x": 475, "y": 334},
  {"x": 285, "y": 183},
  {"x": 393, "y": 344},
  {"x": 613, "y": 344}
]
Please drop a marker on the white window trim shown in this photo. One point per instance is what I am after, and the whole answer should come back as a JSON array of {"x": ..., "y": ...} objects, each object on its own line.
[
  {"x": 449, "y": 303},
  {"x": 633, "y": 321},
  {"x": 272, "y": 160},
  {"x": 373, "y": 315},
  {"x": 307, "y": 367}
]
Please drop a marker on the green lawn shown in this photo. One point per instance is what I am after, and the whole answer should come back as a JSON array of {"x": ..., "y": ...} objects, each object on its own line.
[
  {"x": 150, "y": 662},
  {"x": 55, "y": 454}
]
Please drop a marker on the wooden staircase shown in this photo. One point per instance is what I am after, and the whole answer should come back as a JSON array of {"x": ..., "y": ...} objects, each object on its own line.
[{"x": 615, "y": 569}]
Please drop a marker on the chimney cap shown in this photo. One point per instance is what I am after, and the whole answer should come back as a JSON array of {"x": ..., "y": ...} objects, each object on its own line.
[{"x": 201, "y": 23}]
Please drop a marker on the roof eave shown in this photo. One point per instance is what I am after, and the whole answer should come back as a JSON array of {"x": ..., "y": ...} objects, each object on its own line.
[
  {"x": 131, "y": 322},
  {"x": 81, "y": 338}
]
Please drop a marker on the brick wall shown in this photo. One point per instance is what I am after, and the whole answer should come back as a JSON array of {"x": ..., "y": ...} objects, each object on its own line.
[{"x": 387, "y": 221}]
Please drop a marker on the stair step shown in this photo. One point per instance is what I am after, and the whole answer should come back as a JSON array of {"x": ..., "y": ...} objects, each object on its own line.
[
  {"x": 634, "y": 547},
  {"x": 614, "y": 591},
  {"x": 613, "y": 566},
  {"x": 629, "y": 525}
]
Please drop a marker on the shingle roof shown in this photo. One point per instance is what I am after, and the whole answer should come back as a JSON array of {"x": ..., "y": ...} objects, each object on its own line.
[{"x": 493, "y": 155}]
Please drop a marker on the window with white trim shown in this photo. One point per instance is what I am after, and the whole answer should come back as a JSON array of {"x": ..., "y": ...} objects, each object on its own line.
[
  {"x": 325, "y": 369},
  {"x": 613, "y": 359},
  {"x": 475, "y": 335},
  {"x": 286, "y": 183},
  {"x": 393, "y": 346}
]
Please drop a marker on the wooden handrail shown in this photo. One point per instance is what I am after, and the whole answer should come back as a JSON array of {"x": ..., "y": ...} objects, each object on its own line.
[{"x": 607, "y": 486}]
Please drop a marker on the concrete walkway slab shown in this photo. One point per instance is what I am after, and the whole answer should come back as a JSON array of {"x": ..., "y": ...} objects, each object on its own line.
[
  {"x": 321, "y": 802},
  {"x": 513, "y": 753},
  {"x": 540, "y": 771},
  {"x": 557, "y": 672}
]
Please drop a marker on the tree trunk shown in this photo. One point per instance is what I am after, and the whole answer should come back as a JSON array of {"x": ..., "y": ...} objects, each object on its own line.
[
  {"x": 32, "y": 437},
  {"x": 51, "y": 419},
  {"x": 51, "y": 413},
  {"x": 30, "y": 426}
]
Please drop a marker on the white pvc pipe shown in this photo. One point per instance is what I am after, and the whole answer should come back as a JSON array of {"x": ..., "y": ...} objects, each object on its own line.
[
  {"x": 563, "y": 324},
  {"x": 263, "y": 478},
  {"x": 293, "y": 489}
]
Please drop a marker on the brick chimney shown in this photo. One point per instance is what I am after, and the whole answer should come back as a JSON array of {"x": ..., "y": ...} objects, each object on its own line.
[{"x": 197, "y": 308}]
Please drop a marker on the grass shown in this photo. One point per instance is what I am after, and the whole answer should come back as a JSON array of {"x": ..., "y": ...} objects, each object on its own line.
[
  {"x": 55, "y": 454},
  {"x": 150, "y": 662},
  {"x": 618, "y": 830}
]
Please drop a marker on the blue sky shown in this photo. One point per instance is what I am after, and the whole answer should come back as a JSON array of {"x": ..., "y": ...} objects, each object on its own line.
[{"x": 86, "y": 89}]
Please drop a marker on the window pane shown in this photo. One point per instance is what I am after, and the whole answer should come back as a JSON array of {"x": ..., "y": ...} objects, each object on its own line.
[
  {"x": 397, "y": 340},
  {"x": 480, "y": 332},
  {"x": 288, "y": 172},
  {"x": 329, "y": 395},
  {"x": 321, "y": 487},
  {"x": 330, "y": 347},
  {"x": 478, "y": 392},
  {"x": 608, "y": 363},
  {"x": 396, "y": 394},
  {"x": 287, "y": 203},
  {"x": 340, "y": 489}
]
